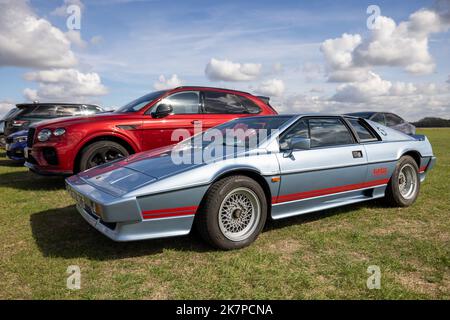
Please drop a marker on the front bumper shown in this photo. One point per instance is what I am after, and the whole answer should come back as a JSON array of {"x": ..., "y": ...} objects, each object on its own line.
[
  {"x": 15, "y": 151},
  {"x": 121, "y": 219},
  {"x": 50, "y": 158},
  {"x": 45, "y": 171}
]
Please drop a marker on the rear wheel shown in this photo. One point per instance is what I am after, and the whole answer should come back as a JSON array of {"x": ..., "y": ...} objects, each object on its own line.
[
  {"x": 233, "y": 213},
  {"x": 101, "y": 152},
  {"x": 404, "y": 186}
]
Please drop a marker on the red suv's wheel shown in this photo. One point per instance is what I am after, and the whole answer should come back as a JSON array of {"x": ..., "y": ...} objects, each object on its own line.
[{"x": 101, "y": 152}]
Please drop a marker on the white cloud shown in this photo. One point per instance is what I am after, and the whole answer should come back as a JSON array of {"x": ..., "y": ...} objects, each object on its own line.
[
  {"x": 339, "y": 52},
  {"x": 230, "y": 71},
  {"x": 5, "y": 106},
  {"x": 75, "y": 38},
  {"x": 273, "y": 87},
  {"x": 29, "y": 41},
  {"x": 61, "y": 11},
  {"x": 411, "y": 106},
  {"x": 169, "y": 83},
  {"x": 404, "y": 45},
  {"x": 374, "y": 86},
  {"x": 64, "y": 85},
  {"x": 363, "y": 90}
]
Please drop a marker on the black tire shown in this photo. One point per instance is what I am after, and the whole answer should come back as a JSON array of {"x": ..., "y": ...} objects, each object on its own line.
[
  {"x": 394, "y": 196},
  {"x": 108, "y": 150},
  {"x": 207, "y": 220}
]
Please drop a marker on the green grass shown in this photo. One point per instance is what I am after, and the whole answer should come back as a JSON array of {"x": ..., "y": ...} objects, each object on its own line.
[{"x": 320, "y": 255}]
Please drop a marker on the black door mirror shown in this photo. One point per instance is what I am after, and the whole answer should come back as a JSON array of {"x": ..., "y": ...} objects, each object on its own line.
[{"x": 162, "y": 110}]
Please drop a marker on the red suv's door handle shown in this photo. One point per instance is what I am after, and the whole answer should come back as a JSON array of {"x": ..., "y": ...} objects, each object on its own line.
[{"x": 195, "y": 121}]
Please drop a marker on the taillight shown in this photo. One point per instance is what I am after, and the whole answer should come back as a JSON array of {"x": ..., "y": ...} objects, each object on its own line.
[{"x": 19, "y": 123}]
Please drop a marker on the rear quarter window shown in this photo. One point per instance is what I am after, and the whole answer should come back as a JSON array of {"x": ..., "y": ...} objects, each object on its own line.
[
  {"x": 362, "y": 131},
  {"x": 223, "y": 103}
]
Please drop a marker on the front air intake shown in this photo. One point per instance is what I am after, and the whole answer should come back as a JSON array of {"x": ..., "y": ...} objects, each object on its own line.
[{"x": 30, "y": 137}]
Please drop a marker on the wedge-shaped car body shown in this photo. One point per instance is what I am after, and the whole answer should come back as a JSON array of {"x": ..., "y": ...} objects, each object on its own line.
[{"x": 280, "y": 166}]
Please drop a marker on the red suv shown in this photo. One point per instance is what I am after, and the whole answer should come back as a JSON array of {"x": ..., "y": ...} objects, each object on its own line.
[{"x": 67, "y": 146}]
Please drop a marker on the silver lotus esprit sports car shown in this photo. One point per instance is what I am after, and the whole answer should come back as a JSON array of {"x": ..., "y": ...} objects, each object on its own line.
[{"x": 229, "y": 179}]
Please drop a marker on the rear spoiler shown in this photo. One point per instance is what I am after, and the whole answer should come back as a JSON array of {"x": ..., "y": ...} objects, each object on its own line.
[{"x": 264, "y": 99}]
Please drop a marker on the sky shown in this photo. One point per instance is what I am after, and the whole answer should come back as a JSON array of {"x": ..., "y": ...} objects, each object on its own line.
[{"x": 308, "y": 56}]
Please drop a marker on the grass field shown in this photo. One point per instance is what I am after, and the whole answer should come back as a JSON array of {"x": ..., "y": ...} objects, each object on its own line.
[{"x": 321, "y": 255}]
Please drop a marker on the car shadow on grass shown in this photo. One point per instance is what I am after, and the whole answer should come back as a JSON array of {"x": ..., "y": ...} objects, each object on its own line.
[
  {"x": 64, "y": 233},
  {"x": 10, "y": 163},
  {"x": 29, "y": 181}
]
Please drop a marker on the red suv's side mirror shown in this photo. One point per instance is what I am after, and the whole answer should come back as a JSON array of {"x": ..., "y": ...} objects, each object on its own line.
[{"x": 162, "y": 110}]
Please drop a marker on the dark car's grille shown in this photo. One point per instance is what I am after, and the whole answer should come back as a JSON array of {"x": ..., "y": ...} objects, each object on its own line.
[
  {"x": 9, "y": 140},
  {"x": 30, "y": 137}
]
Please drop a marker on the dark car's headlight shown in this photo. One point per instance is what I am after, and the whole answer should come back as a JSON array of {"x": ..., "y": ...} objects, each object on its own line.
[
  {"x": 20, "y": 139},
  {"x": 44, "y": 135}
]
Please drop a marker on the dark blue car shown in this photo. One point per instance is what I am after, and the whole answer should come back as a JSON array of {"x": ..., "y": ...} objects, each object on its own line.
[{"x": 15, "y": 145}]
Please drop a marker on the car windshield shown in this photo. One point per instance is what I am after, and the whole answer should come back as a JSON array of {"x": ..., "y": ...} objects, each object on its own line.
[
  {"x": 10, "y": 113},
  {"x": 141, "y": 102},
  {"x": 244, "y": 132}
]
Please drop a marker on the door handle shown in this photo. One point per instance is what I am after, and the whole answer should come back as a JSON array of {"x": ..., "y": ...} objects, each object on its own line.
[
  {"x": 357, "y": 154},
  {"x": 195, "y": 121}
]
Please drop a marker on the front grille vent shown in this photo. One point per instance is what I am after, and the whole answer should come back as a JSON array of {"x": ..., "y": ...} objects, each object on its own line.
[{"x": 30, "y": 138}]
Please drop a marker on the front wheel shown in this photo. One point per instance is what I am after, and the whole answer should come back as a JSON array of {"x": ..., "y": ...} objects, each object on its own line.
[
  {"x": 233, "y": 213},
  {"x": 101, "y": 152},
  {"x": 404, "y": 186}
]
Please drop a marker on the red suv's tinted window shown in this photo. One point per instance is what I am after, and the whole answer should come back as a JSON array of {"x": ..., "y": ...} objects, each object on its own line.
[{"x": 226, "y": 103}]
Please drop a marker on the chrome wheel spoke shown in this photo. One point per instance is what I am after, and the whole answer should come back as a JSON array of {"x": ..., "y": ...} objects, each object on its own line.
[
  {"x": 407, "y": 181},
  {"x": 239, "y": 214}
]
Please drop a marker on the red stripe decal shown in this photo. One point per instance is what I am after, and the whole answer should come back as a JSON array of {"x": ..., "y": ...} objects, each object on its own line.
[
  {"x": 171, "y": 212},
  {"x": 327, "y": 191}
]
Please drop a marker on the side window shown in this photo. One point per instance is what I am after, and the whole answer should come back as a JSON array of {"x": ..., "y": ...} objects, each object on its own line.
[
  {"x": 379, "y": 118},
  {"x": 184, "y": 102},
  {"x": 66, "y": 111},
  {"x": 92, "y": 109},
  {"x": 363, "y": 133},
  {"x": 249, "y": 106},
  {"x": 44, "y": 111},
  {"x": 392, "y": 120},
  {"x": 222, "y": 102},
  {"x": 329, "y": 132},
  {"x": 300, "y": 130}
]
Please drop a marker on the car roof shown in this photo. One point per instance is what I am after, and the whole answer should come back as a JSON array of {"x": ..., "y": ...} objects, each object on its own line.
[
  {"x": 213, "y": 88},
  {"x": 28, "y": 105},
  {"x": 299, "y": 115},
  {"x": 310, "y": 114},
  {"x": 362, "y": 113}
]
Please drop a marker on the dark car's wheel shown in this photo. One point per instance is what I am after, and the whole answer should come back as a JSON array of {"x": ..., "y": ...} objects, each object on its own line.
[
  {"x": 404, "y": 186},
  {"x": 233, "y": 213},
  {"x": 101, "y": 152}
]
